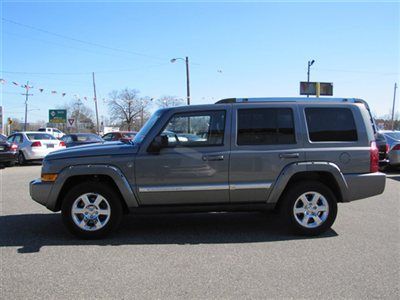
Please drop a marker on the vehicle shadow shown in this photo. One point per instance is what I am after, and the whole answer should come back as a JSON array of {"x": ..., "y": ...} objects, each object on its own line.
[{"x": 30, "y": 232}]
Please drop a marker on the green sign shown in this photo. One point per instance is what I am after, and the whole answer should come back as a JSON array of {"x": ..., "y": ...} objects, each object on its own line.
[{"x": 57, "y": 116}]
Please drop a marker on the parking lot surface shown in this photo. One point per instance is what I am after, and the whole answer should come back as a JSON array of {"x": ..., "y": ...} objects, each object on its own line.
[{"x": 215, "y": 255}]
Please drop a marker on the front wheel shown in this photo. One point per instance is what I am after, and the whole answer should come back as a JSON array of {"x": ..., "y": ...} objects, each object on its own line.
[
  {"x": 91, "y": 210},
  {"x": 309, "y": 207}
]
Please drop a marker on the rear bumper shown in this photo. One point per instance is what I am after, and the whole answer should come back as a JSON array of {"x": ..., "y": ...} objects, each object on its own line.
[
  {"x": 361, "y": 186},
  {"x": 8, "y": 156},
  {"x": 40, "y": 192}
]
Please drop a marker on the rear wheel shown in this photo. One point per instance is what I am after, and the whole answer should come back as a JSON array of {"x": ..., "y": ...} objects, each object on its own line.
[
  {"x": 91, "y": 210},
  {"x": 309, "y": 207},
  {"x": 21, "y": 159}
]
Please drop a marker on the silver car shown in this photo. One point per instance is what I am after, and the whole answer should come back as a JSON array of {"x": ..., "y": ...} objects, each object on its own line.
[
  {"x": 393, "y": 140},
  {"x": 34, "y": 145}
]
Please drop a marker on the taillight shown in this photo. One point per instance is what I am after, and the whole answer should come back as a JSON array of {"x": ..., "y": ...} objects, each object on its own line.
[
  {"x": 387, "y": 148},
  {"x": 396, "y": 147},
  {"x": 36, "y": 144},
  {"x": 62, "y": 144},
  {"x": 14, "y": 147},
  {"x": 374, "y": 158}
]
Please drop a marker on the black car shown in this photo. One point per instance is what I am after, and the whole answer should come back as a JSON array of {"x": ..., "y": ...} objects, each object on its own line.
[
  {"x": 383, "y": 149},
  {"x": 78, "y": 139},
  {"x": 8, "y": 152}
]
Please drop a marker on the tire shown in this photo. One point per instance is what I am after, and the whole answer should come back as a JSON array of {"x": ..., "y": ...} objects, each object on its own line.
[
  {"x": 97, "y": 210},
  {"x": 305, "y": 214},
  {"x": 10, "y": 164},
  {"x": 21, "y": 159}
]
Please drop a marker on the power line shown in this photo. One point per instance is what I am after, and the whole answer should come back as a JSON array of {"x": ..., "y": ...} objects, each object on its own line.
[{"x": 82, "y": 41}]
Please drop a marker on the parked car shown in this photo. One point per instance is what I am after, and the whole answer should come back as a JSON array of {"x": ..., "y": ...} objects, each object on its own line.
[
  {"x": 53, "y": 131},
  {"x": 119, "y": 136},
  {"x": 79, "y": 139},
  {"x": 393, "y": 141},
  {"x": 8, "y": 152},
  {"x": 383, "y": 148},
  {"x": 298, "y": 156},
  {"x": 34, "y": 145}
]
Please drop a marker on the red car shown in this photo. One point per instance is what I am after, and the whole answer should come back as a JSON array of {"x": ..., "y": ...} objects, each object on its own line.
[{"x": 119, "y": 136}]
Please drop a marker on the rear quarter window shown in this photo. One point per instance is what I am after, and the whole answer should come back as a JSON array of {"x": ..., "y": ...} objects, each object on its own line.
[{"x": 331, "y": 125}]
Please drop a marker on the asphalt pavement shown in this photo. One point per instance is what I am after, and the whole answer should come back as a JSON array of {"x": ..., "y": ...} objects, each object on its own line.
[{"x": 198, "y": 256}]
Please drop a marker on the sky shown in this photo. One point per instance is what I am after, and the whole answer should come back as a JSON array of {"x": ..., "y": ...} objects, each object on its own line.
[{"x": 235, "y": 49}]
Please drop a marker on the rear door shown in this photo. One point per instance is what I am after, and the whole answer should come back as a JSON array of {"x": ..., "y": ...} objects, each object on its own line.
[{"x": 265, "y": 138}]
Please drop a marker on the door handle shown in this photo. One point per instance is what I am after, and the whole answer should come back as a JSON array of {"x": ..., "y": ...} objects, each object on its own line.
[
  {"x": 213, "y": 157},
  {"x": 289, "y": 155}
]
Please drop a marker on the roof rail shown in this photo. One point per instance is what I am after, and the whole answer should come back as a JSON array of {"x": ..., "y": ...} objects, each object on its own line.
[{"x": 288, "y": 99}]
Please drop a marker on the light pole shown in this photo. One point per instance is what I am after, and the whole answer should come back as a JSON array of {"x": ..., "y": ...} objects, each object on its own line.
[
  {"x": 310, "y": 63},
  {"x": 186, "y": 60}
]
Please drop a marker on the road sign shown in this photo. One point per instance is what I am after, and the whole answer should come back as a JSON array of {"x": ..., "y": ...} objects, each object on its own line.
[
  {"x": 71, "y": 122},
  {"x": 57, "y": 116},
  {"x": 316, "y": 88}
]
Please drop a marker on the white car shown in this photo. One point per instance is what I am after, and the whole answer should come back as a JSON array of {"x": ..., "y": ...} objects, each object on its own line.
[
  {"x": 53, "y": 131},
  {"x": 34, "y": 145}
]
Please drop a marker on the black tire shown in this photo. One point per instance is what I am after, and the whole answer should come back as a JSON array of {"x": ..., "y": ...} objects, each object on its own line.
[
  {"x": 21, "y": 159},
  {"x": 290, "y": 199},
  {"x": 108, "y": 193},
  {"x": 10, "y": 164}
]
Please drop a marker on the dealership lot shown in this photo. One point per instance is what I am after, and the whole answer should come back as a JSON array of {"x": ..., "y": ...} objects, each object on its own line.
[{"x": 222, "y": 255}]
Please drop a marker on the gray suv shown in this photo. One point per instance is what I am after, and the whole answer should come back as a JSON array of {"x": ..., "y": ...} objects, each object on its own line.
[{"x": 298, "y": 156}]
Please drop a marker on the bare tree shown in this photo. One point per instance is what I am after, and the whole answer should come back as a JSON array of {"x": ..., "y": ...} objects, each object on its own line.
[
  {"x": 169, "y": 101},
  {"x": 128, "y": 108}
]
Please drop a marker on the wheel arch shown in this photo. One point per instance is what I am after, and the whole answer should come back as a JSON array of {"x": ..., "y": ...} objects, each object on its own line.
[
  {"x": 324, "y": 172},
  {"x": 94, "y": 173}
]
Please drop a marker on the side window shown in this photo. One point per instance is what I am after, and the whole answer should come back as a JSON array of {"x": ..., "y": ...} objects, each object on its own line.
[
  {"x": 107, "y": 137},
  {"x": 196, "y": 129},
  {"x": 265, "y": 126},
  {"x": 18, "y": 139},
  {"x": 331, "y": 125}
]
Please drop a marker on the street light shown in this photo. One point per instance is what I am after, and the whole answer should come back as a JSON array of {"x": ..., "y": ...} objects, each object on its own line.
[
  {"x": 186, "y": 60},
  {"x": 310, "y": 63}
]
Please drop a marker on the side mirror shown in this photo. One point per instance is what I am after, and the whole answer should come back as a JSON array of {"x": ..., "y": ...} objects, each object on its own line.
[{"x": 159, "y": 142}]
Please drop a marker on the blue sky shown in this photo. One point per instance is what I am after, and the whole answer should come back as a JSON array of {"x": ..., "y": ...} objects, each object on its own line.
[{"x": 261, "y": 48}]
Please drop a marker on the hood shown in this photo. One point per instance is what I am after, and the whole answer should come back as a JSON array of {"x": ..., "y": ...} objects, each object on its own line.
[{"x": 102, "y": 149}]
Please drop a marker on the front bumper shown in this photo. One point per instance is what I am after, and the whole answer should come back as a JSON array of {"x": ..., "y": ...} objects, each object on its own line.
[
  {"x": 361, "y": 186},
  {"x": 40, "y": 192}
]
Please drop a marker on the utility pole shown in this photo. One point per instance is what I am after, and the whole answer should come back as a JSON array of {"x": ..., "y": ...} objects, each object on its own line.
[
  {"x": 79, "y": 103},
  {"x": 187, "y": 81},
  {"x": 95, "y": 103},
  {"x": 394, "y": 102},
  {"x": 26, "y": 103}
]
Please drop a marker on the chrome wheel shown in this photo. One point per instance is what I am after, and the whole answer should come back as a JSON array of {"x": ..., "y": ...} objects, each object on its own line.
[
  {"x": 91, "y": 211},
  {"x": 311, "y": 210}
]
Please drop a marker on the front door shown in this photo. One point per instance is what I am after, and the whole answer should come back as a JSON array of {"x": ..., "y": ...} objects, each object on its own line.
[{"x": 193, "y": 169}]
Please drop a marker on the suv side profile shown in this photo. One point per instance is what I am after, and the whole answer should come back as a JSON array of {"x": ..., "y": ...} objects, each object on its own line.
[{"x": 299, "y": 156}]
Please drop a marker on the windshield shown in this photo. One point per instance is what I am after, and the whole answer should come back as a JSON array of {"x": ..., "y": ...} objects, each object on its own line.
[
  {"x": 40, "y": 136},
  {"x": 146, "y": 128},
  {"x": 394, "y": 135}
]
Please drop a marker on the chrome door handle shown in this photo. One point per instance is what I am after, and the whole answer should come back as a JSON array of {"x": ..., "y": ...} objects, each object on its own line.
[
  {"x": 289, "y": 155},
  {"x": 213, "y": 157}
]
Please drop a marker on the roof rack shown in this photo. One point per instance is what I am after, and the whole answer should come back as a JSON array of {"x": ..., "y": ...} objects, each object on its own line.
[{"x": 288, "y": 99}]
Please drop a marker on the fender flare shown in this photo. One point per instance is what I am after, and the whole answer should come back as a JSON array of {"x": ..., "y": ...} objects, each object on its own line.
[
  {"x": 113, "y": 172},
  {"x": 292, "y": 169}
]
